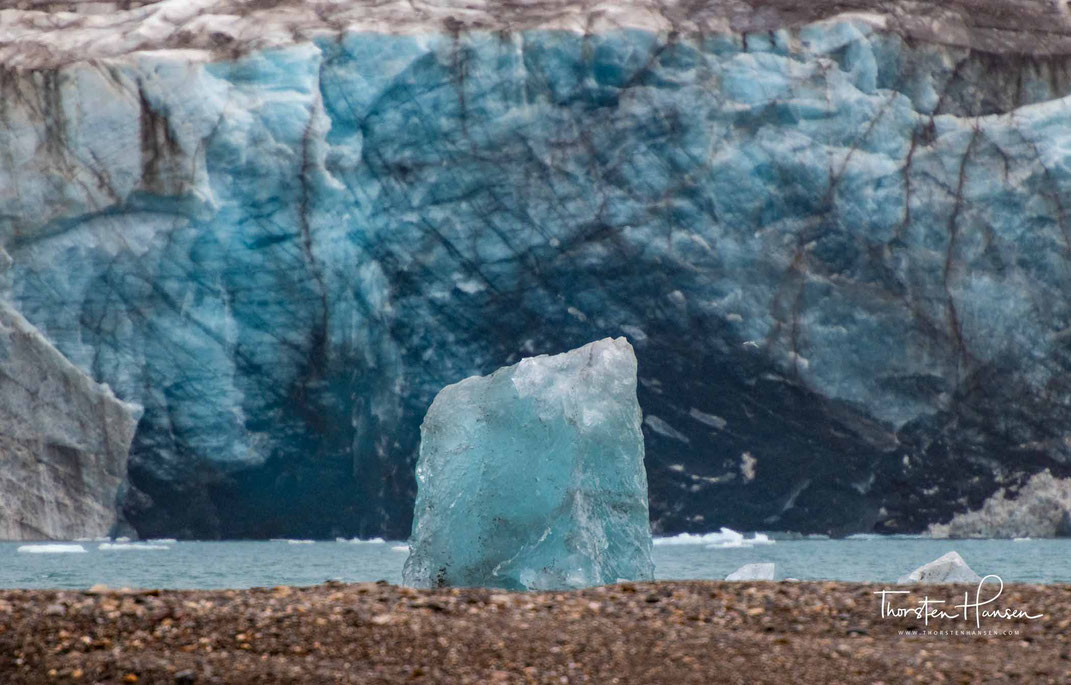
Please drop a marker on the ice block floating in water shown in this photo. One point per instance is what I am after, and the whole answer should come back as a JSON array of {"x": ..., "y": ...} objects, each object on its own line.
[
  {"x": 950, "y": 568},
  {"x": 533, "y": 477}
]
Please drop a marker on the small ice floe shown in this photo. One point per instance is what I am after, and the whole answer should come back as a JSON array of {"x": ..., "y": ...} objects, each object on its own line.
[
  {"x": 738, "y": 540},
  {"x": 130, "y": 547},
  {"x": 714, "y": 421},
  {"x": 293, "y": 542},
  {"x": 723, "y": 539},
  {"x": 163, "y": 541},
  {"x": 358, "y": 541},
  {"x": 51, "y": 549},
  {"x": 1022, "y": 539},
  {"x": 764, "y": 571},
  {"x": 662, "y": 428},
  {"x": 950, "y": 568},
  {"x": 400, "y": 548}
]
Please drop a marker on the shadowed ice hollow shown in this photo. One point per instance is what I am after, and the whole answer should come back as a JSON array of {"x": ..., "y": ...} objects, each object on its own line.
[{"x": 533, "y": 477}]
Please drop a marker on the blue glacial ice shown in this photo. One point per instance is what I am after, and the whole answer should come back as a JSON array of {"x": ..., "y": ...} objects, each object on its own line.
[
  {"x": 839, "y": 247},
  {"x": 532, "y": 478}
]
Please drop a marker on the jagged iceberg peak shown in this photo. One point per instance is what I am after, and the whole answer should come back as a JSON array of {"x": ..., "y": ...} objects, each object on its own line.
[
  {"x": 948, "y": 568},
  {"x": 42, "y": 33},
  {"x": 533, "y": 477}
]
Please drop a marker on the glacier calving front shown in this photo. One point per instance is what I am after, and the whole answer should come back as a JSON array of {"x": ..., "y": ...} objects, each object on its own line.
[{"x": 835, "y": 250}]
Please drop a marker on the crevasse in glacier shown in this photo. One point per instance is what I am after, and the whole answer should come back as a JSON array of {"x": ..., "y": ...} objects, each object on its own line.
[
  {"x": 834, "y": 241},
  {"x": 532, "y": 478}
]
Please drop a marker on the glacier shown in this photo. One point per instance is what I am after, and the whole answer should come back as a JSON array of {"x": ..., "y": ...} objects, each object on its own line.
[
  {"x": 836, "y": 240},
  {"x": 532, "y": 478},
  {"x": 64, "y": 441}
]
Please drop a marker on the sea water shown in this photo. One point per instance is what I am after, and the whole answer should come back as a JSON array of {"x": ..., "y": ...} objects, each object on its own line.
[{"x": 242, "y": 564}]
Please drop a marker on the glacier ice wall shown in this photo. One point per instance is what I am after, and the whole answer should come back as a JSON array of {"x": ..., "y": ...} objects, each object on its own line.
[
  {"x": 532, "y": 478},
  {"x": 63, "y": 441},
  {"x": 839, "y": 248}
]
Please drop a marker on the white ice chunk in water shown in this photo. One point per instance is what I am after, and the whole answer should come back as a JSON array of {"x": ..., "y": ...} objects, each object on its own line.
[
  {"x": 51, "y": 549},
  {"x": 130, "y": 547},
  {"x": 950, "y": 568},
  {"x": 533, "y": 477},
  {"x": 725, "y": 538},
  {"x": 763, "y": 571}
]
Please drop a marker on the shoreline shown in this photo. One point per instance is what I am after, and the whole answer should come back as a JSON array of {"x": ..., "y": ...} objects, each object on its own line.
[{"x": 664, "y": 631}]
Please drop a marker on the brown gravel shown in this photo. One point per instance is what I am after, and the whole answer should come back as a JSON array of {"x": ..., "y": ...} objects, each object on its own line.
[{"x": 679, "y": 632}]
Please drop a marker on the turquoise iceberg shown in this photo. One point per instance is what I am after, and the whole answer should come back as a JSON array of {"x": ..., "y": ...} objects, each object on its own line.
[{"x": 532, "y": 478}]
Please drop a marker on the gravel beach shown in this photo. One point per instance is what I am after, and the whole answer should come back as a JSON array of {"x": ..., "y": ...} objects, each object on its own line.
[{"x": 665, "y": 632}]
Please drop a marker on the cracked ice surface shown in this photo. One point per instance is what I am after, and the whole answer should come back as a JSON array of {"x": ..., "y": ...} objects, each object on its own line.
[{"x": 532, "y": 478}]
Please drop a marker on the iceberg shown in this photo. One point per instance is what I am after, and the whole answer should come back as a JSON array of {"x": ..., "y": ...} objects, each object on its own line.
[
  {"x": 51, "y": 549},
  {"x": 764, "y": 571},
  {"x": 949, "y": 568},
  {"x": 131, "y": 547},
  {"x": 723, "y": 539},
  {"x": 532, "y": 478}
]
